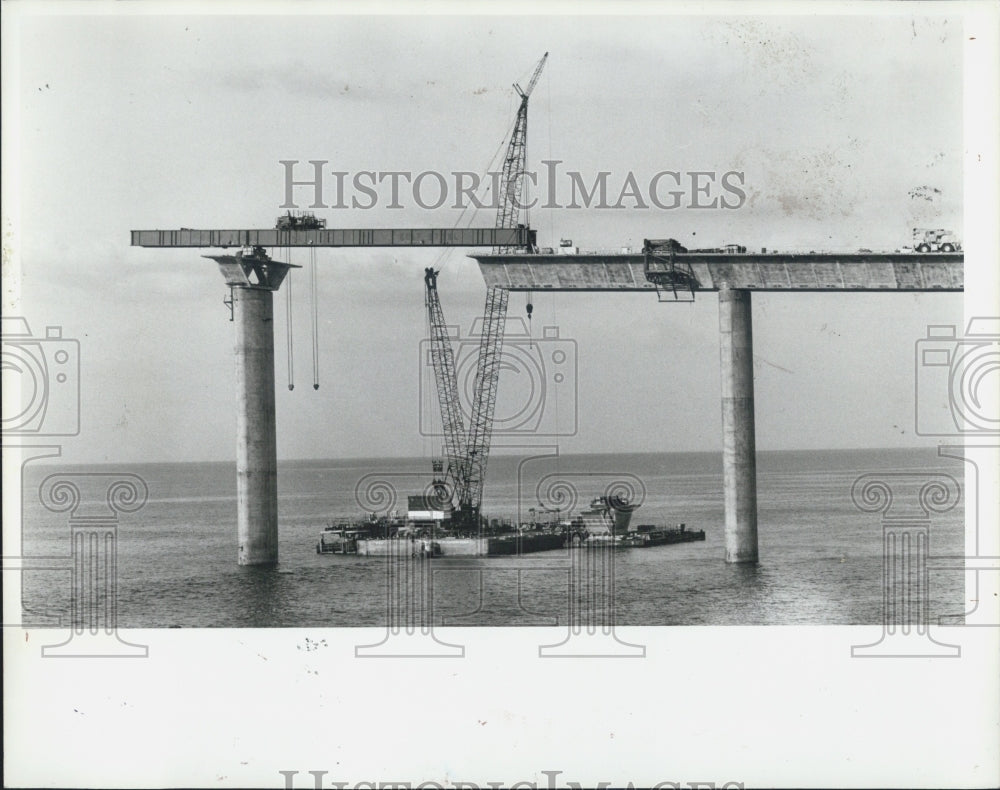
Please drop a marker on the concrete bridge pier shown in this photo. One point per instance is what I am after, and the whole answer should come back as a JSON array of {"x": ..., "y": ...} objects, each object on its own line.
[
  {"x": 253, "y": 277},
  {"x": 256, "y": 434},
  {"x": 739, "y": 458}
]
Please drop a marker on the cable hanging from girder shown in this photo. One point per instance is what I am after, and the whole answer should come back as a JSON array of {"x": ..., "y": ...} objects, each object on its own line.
[
  {"x": 288, "y": 327},
  {"x": 314, "y": 297}
]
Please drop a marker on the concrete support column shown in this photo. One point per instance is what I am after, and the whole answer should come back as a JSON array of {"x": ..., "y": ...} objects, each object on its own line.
[
  {"x": 256, "y": 439},
  {"x": 739, "y": 459}
]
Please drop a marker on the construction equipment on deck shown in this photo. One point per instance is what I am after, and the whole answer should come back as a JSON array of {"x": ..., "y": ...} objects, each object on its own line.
[
  {"x": 299, "y": 220},
  {"x": 935, "y": 240},
  {"x": 662, "y": 269}
]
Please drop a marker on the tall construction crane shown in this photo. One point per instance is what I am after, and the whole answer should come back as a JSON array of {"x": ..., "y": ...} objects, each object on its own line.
[
  {"x": 509, "y": 212},
  {"x": 446, "y": 379},
  {"x": 468, "y": 455},
  {"x": 510, "y": 207}
]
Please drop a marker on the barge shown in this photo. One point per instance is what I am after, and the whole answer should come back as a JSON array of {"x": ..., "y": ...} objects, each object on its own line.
[
  {"x": 648, "y": 535},
  {"x": 605, "y": 523},
  {"x": 349, "y": 541}
]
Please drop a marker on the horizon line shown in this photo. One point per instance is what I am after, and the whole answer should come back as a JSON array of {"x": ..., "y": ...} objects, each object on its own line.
[{"x": 55, "y": 460}]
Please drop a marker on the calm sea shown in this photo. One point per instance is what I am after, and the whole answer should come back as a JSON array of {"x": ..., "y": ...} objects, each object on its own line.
[{"x": 821, "y": 559}]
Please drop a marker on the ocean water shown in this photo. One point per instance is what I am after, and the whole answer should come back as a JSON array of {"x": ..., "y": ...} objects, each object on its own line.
[{"x": 820, "y": 556}]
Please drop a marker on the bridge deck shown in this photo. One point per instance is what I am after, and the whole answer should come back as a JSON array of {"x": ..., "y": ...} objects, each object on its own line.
[{"x": 759, "y": 272}]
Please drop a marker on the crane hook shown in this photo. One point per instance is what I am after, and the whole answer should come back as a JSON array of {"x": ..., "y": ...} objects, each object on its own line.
[
  {"x": 529, "y": 307},
  {"x": 314, "y": 298}
]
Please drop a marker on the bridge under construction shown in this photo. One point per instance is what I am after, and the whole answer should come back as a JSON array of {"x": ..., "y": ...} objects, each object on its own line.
[
  {"x": 515, "y": 263},
  {"x": 704, "y": 271},
  {"x": 733, "y": 276}
]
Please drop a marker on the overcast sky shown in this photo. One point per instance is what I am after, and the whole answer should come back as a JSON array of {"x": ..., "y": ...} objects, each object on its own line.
[{"x": 848, "y": 131}]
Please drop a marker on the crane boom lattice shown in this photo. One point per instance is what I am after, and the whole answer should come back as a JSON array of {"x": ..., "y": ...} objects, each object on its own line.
[
  {"x": 443, "y": 363},
  {"x": 487, "y": 378},
  {"x": 468, "y": 454},
  {"x": 510, "y": 204}
]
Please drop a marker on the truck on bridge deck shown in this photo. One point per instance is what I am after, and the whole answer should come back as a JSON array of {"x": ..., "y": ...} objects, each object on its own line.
[{"x": 935, "y": 240}]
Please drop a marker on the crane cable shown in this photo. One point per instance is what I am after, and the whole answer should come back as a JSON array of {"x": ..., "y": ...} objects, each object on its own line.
[
  {"x": 288, "y": 326},
  {"x": 427, "y": 370},
  {"x": 444, "y": 257},
  {"x": 552, "y": 213},
  {"x": 314, "y": 296}
]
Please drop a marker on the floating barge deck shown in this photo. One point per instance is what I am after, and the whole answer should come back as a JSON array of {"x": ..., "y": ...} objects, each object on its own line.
[
  {"x": 427, "y": 533},
  {"x": 645, "y": 538},
  {"x": 498, "y": 546}
]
